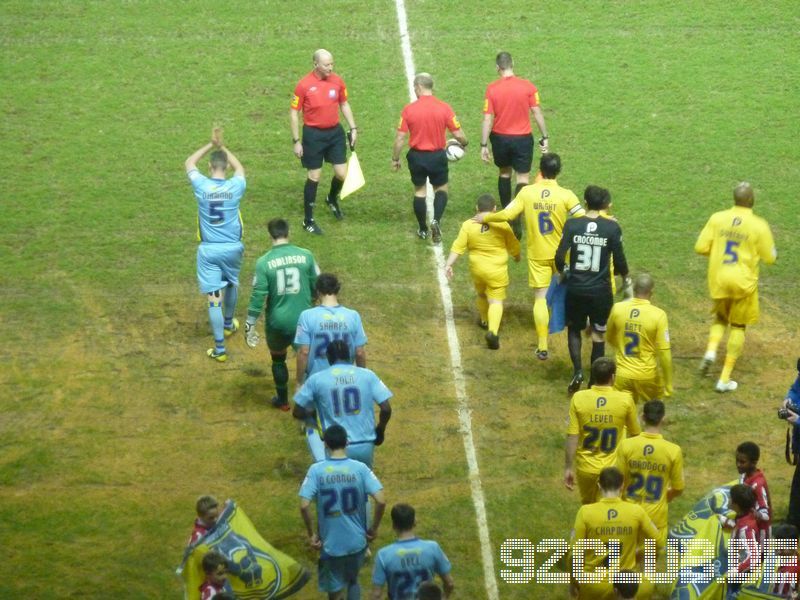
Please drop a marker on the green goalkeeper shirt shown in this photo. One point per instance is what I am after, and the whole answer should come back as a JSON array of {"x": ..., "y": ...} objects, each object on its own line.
[{"x": 285, "y": 277}]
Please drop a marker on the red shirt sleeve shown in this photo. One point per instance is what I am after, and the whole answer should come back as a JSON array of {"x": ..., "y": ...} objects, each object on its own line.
[
  {"x": 488, "y": 106},
  {"x": 452, "y": 119},
  {"x": 342, "y": 92},
  {"x": 299, "y": 97},
  {"x": 534, "y": 97},
  {"x": 403, "y": 124}
]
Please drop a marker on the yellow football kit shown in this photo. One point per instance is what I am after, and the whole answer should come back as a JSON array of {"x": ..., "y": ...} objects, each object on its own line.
[
  {"x": 489, "y": 248},
  {"x": 611, "y": 519},
  {"x": 639, "y": 332},
  {"x": 599, "y": 417},
  {"x": 651, "y": 466},
  {"x": 735, "y": 240},
  {"x": 546, "y": 206}
]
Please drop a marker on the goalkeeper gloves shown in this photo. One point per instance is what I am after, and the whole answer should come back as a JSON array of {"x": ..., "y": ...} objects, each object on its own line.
[
  {"x": 627, "y": 288},
  {"x": 250, "y": 334}
]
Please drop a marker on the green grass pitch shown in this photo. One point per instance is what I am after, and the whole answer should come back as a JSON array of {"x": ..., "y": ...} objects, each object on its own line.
[{"x": 112, "y": 420}]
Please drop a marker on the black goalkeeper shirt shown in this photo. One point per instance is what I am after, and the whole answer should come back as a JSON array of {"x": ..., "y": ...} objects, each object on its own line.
[{"x": 591, "y": 242}]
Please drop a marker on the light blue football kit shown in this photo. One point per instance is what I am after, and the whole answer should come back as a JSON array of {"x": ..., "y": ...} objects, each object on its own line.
[
  {"x": 319, "y": 326},
  {"x": 316, "y": 328},
  {"x": 219, "y": 255},
  {"x": 340, "y": 487},
  {"x": 404, "y": 565},
  {"x": 343, "y": 394},
  {"x": 219, "y": 230}
]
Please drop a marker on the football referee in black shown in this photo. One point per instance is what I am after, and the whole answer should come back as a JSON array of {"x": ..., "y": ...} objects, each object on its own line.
[{"x": 591, "y": 241}]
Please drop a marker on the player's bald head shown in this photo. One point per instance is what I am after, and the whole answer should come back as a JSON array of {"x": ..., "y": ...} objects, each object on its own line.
[
  {"x": 321, "y": 55},
  {"x": 643, "y": 285},
  {"x": 424, "y": 80},
  {"x": 743, "y": 194}
]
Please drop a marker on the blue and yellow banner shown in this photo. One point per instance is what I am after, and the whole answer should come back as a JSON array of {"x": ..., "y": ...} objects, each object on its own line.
[
  {"x": 256, "y": 570},
  {"x": 702, "y": 577}
]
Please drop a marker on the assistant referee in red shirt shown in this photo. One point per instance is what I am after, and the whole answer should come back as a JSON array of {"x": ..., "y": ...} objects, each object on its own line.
[
  {"x": 319, "y": 96},
  {"x": 425, "y": 120},
  {"x": 506, "y": 110}
]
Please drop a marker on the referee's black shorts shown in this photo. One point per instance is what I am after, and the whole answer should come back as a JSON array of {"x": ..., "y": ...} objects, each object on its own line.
[
  {"x": 323, "y": 144},
  {"x": 427, "y": 165},
  {"x": 595, "y": 306},
  {"x": 515, "y": 151}
]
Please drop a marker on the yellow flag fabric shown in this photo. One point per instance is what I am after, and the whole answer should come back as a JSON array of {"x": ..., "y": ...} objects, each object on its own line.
[
  {"x": 256, "y": 570},
  {"x": 354, "y": 180},
  {"x": 702, "y": 523}
]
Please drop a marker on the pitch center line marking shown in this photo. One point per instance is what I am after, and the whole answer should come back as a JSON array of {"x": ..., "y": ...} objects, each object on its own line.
[{"x": 464, "y": 413}]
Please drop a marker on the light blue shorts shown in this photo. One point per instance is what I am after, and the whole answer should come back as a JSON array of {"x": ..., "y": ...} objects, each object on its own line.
[
  {"x": 335, "y": 573},
  {"x": 362, "y": 452},
  {"x": 218, "y": 265}
]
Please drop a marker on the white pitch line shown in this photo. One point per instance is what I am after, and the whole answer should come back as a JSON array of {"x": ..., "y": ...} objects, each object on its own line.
[{"x": 464, "y": 413}]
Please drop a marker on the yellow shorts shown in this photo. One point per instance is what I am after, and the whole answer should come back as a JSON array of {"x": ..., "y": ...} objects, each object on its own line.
[
  {"x": 540, "y": 272},
  {"x": 642, "y": 390},
  {"x": 492, "y": 285},
  {"x": 587, "y": 486},
  {"x": 737, "y": 311}
]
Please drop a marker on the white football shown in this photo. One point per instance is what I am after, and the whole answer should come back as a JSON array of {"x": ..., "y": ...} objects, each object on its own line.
[{"x": 454, "y": 150}]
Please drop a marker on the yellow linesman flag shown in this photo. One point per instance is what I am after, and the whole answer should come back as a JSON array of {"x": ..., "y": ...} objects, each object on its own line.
[
  {"x": 256, "y": 570},
  {"x": 354, "y": 180}
]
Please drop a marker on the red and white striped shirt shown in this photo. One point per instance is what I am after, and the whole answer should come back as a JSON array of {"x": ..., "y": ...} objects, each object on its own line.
[
  {"x": 746, "y": 530},
  {"x": 763, "y": 509}
]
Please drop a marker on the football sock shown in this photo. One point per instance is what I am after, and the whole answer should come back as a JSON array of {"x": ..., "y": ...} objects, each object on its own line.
[
  {"x": 574, "y": 345},
  {"x": 504, "y": 190},
  {"x": 421, "y": 212},
  {"x": 315, "y": 444},
  {"x": 541, "y": 320},
  {"x": 354, "y": 591},
  {"x": 483, "y": 308},
  {"x": 518, "y": 187},
  {"x": 715, "y": 336},
  {"x": 598, "y": 350},
  {"x": 336, "y": 187},
  {"x": 734, "y": 351},
  {"x": 280, "y": 373},
  {"x": 229, "y": 304},
  {"x": 439, "y": 204},
  {"x": 309, "y": 196},
  {"x": 495, "y": 315},
  {"x": 217, "y": 323}
]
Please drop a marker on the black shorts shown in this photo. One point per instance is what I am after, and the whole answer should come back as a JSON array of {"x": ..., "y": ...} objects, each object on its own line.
[
  {"x": 596, "y": 307},
  {"x": 427, "y": 165},
  {"x": 319, "y": 144},
  {"x": 515, "y": 151}
]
